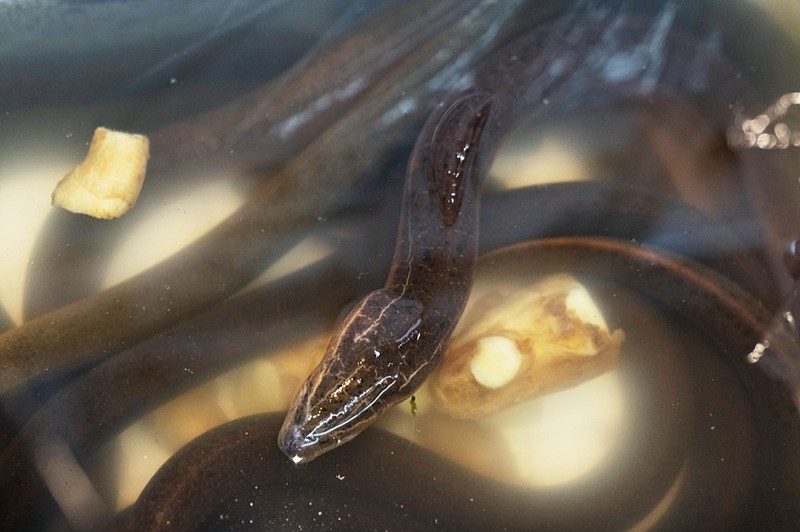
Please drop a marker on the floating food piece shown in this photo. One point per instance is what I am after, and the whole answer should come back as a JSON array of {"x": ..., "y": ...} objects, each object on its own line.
[
  {"x": 107, "y": 183},
  {"x": 530, "y": 342}
]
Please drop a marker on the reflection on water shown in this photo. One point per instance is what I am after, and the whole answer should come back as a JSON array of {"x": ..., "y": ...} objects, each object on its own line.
[
  {"x": 175, "y": 223},
  {"x": 567, "y": 435},
  {"x": 770, "y": 130},
  {"x": 24, "y": 206}
]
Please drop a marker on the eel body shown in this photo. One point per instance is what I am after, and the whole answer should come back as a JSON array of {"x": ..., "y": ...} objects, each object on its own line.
[
  {"x": 392, "y": 339},
  {"x": 431, "y": 272},
  {"x": 383, "y": 350}
]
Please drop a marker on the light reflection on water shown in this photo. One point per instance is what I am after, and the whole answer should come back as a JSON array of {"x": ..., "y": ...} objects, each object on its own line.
[
  {"x": 170, "y": 225},
  {"x": 564, "y": 436},
  {"x": 24, "y": 206}
]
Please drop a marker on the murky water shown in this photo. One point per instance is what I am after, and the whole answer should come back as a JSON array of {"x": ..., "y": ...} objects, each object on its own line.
[{"x": 683, "y": 431}]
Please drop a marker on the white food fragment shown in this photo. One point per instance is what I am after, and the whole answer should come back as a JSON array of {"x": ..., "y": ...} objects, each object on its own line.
[
  {"x": 496, "y": 361},
  {"x": 581, "y": 303},
  {"x": 108, "y": 181}
]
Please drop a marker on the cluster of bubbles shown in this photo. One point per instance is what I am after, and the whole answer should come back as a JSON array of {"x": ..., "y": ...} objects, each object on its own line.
[{"x": 769, "y": 130}]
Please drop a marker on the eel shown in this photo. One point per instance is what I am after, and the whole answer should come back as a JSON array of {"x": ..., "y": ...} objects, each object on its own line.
[
  {"x": 253, "y": 484},
  {"x": 189, "y": 471},
  {"x": 258, "y": 133},
  {"x": 390, "y": 342},
  {"x": 151, "y": 373},
  {"x": 233, "y": 253},
  {"x": 393, "y": 338}
]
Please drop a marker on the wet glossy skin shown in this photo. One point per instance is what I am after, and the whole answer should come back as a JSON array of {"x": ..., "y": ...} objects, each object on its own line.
[
  {"x": 391, "y": 341},
  {"x": 241, "y": 468},
  {"x": 156, "y": 370},
  {"x": 149, "y": 387},
  {"x": 383, "y": 350}
]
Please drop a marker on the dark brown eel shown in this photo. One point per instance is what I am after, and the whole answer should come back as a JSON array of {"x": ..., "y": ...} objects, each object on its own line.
[
  {"x": 740, "y": 318},
  {"x": 252, "y": 482},
  {"x": 226, "y": 258},
  {"x": 256, "y": 134},
  {"x": 97, "y": 406},
  {"x": 390, "y": 342}
]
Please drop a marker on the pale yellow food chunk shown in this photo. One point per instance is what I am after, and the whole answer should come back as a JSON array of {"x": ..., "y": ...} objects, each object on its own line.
[
  {"x": 531, "y": 341},
  {"x": 496, "y": 361},
  {"x": 107, "y": 183}
]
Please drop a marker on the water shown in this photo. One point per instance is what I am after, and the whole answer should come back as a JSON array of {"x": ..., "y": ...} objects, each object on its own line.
[{"x": 683, "y": 433}]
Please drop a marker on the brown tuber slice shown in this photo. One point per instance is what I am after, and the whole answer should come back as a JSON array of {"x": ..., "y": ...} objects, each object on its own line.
[{"x": 107, "y": 182}]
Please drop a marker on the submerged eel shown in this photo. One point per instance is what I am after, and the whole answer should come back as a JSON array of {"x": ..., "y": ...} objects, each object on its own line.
[
  {"x": 94, "y": 408},
  {"x": 194, "y": 473},
  {"x": 390, "y": 342},
  {"x": 228, "y": 475},
  {"x": 314, "y": 184}
]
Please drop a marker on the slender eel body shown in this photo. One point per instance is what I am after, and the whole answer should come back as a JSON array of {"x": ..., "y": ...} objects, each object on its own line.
[
  {"x": 236, "y": 251},
  {"x": 372, "y": 363},
  {"x": 234, "y": 461},
  {"x": 388, "y": 344}
]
